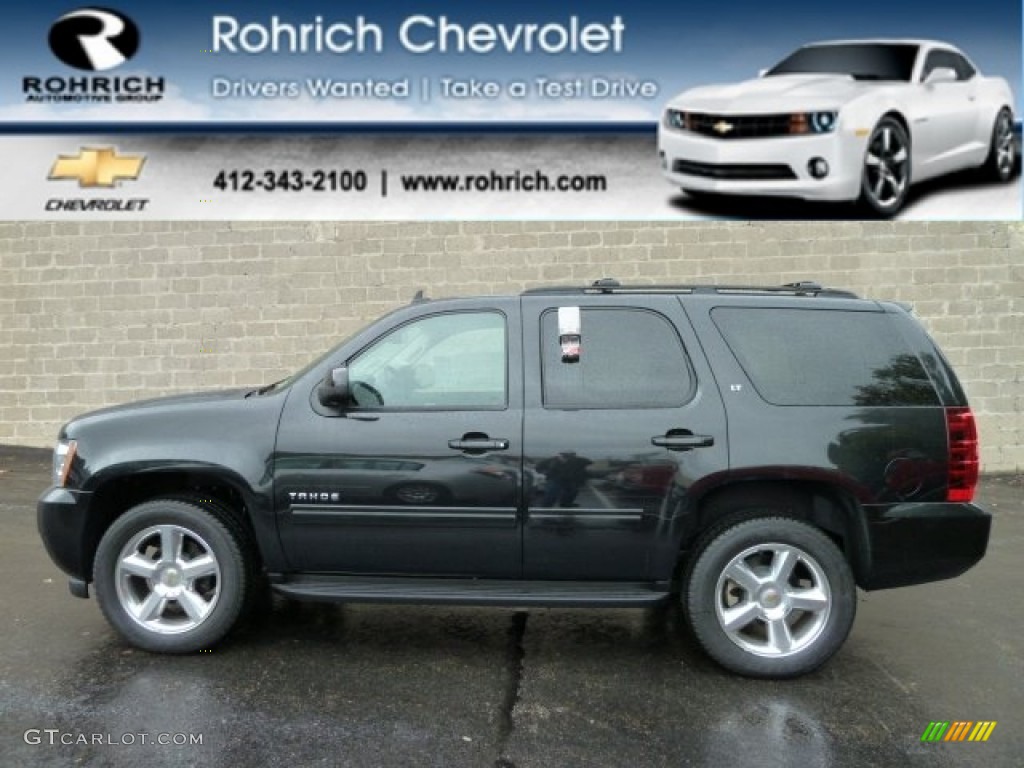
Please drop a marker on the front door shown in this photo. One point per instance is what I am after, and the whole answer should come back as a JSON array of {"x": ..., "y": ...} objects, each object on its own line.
[
  {"x": 613, "y": 442},
  {"x": 423, "y": 474},
  {"x": 946, "y": 118}
]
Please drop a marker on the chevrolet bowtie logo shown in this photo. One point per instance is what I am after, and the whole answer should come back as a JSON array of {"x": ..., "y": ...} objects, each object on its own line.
[
  {"x": 722, "y": 127},
  {"x": 97, "y": 167}
]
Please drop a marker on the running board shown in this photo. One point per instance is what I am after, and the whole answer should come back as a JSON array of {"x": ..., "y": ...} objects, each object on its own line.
[{"x": 391, "y": 589}]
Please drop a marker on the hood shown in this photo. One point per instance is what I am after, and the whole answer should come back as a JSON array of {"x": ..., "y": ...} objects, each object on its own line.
[
  {"x": 171, "y": 404},
  {"x": 778, "y": 93}
]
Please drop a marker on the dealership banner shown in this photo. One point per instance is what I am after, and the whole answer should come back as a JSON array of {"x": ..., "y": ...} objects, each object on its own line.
[{"x": 596, "y": 110}]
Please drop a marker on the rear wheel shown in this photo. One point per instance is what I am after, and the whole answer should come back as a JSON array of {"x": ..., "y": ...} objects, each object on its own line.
[
  {"x": 885, "y": 178},
  {"x": 770, "y": 597},
  {"x": 171, "y": 577},
  {"x": 1002, "y": 153}
]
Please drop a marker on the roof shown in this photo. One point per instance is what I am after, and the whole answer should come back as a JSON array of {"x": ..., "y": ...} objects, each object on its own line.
[{"x": 886, "y": 41}]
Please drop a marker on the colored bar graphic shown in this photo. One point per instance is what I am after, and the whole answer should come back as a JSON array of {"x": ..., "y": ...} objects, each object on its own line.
[
  {"x": 935, "y": 731},
  {"x": 982, "y": 731},
  {"x": 958, "y": 730}
]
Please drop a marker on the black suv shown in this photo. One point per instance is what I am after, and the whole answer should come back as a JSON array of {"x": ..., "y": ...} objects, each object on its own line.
[{"x": 758, "y": 452}]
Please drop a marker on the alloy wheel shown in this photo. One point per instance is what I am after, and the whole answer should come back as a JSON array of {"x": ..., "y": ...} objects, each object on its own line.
[
  {"x": 887, "y": 166},
  {"x": 168, "y": 579},
  {"x": 1004, "y": 146},
  {"x": 773, "y": 600}
]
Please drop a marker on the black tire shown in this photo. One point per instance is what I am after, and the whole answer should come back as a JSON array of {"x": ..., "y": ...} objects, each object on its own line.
[
  {"x": 170, "y": 628},
  {"x": 1002, "y": 151},
  {"x": 750, "y": 648},
  {"x": 257, "y": 595},
  {"x": 886, "y": 173}
]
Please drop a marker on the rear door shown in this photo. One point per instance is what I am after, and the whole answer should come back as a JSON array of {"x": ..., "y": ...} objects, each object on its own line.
[{"x": 613, "y": 443}]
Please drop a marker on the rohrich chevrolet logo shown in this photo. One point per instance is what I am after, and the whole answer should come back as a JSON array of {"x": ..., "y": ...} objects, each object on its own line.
[
  {"x": 723, "y": 127},
  {"x": 97, "y": 167}
]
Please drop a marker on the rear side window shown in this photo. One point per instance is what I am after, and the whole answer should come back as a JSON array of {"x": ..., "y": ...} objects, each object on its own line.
[
  {"x": 954, "y": 61},
  {"x": 629, "y": 358},
  {"x": 825, "y": 357}
]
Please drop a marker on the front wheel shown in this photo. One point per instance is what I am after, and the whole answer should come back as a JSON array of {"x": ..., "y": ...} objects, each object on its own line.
[
  {"x": 770, "y": 597},
  {"x": 885, "y": 177},
  {"x": 170, "y": 576}
]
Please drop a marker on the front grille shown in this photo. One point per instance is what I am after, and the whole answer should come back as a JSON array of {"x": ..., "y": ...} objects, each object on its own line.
[
  {"x": 738, "y": 126},
  {"x": 735, "y": 171}
]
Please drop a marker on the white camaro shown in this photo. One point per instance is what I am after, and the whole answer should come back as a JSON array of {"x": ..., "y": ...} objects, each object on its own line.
[{"x": 846, "y": 120}]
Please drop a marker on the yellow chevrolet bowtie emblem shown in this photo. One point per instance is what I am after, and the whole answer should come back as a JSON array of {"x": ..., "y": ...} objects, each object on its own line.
[
  {"x": 722, "y": 127},
  {"x": 97, "y": 167}
]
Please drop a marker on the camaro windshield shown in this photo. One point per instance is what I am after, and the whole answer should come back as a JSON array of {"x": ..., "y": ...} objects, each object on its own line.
[{"x": 862, "y": 61}]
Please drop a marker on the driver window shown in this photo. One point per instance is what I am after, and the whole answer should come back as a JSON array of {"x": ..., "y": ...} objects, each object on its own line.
[{"x": 454, "y": 360}]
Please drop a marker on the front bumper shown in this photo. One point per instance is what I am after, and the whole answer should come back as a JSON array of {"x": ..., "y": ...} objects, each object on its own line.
[
  {"x": 920, "y": 542},
  {"x": 62, "y": 515},
  {"x": 716, "y": 158}
]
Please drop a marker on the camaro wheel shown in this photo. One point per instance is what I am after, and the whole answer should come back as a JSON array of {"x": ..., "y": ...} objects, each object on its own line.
[
  {"x": 885, "y": 179},
  {"x": 1002, "y": 153},
  {"x": 770, "y": 597},
  {"x": 170, "y": 576}
]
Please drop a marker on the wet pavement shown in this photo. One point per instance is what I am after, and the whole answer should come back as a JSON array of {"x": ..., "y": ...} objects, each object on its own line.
[{"x": 314, "y": 685}]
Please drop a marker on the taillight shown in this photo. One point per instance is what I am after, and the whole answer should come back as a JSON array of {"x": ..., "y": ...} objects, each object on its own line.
[{"x": 963, "y": 454}]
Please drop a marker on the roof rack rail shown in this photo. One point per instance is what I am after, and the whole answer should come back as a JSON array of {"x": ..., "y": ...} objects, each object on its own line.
[{"x": 608, "y": 285}]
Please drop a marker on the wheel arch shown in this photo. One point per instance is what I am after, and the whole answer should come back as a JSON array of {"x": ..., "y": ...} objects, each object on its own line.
[
  {"x": 828, "y": 507},
  {"x": 900, "y": 118},
  {"x": 210, "y": 487}
]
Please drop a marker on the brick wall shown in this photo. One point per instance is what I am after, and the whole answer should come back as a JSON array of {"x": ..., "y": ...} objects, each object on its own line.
[{"x": 94, "y": 314}]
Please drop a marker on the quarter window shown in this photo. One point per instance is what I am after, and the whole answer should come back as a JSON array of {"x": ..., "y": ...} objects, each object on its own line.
[
  {"x": 629, "y": 358},
  {"x": 951, "y": 60},
  {"x": 825, "y": 357}
]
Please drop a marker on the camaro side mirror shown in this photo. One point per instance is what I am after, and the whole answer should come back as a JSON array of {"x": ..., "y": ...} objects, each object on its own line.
[
  {"x": 334, "y": 391},
  {"x": 941, "y": 75}
]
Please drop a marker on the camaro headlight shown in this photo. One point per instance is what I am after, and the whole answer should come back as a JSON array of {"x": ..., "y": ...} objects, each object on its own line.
[
  {"x": 63, "y": 457},
  {"x": 675, "y": 118},
  {"x": 813, "y": 122}
]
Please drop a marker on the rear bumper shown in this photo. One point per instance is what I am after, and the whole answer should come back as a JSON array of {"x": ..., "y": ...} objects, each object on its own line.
[
  {"x": 922, "y": 542},
  {"x": 62, "y": 515}
]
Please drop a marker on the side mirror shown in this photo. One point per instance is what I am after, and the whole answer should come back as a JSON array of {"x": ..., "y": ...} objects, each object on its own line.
[
  {"x": 941, "y": 75},
  {"x": 334, "y": 391},
  {"x": 762, "y": 72}
]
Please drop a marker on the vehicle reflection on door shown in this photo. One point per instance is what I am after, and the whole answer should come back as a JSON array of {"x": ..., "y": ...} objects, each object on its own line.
[
  {"x": 604, "y": 502},
  {"x": 564, "y": 474}
]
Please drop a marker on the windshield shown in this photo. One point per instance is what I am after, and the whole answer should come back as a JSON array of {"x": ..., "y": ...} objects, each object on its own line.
[
  {"x": 861, "y": 61},
  {"x": 278, "y": 385}
]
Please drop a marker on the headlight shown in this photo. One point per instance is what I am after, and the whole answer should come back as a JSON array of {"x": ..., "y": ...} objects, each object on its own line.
[
  {"x": 813, "y": 122},
  {"x": 63, "y": 457},
  {"x": 675, "y": 118}
]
